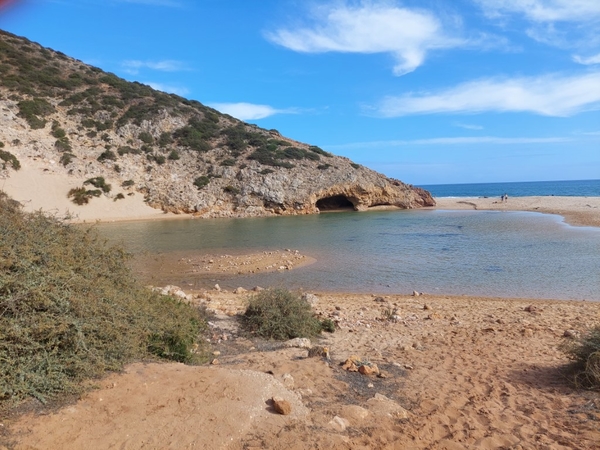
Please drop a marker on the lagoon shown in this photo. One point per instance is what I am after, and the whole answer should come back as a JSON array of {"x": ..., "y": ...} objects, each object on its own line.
[{"x": 481, "y": 253}]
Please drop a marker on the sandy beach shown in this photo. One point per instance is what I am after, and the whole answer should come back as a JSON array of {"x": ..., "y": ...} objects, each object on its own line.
[{"x": 456, "y": 372}]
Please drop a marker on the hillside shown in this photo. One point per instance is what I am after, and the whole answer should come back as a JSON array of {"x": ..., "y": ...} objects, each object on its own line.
[{"x": 122, "y": 139}]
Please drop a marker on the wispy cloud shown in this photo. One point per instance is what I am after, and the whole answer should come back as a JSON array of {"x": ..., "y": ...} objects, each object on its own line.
[
  {"x": 250, "y": 111},
  {"x": 462, "y": 140},
  {"x": 133, "y": 66},
  {"x": 181, "y": 91},
  {"x": 468, "y": 126},
  {"x": 591, "y": 60},
  {"x": 550, "y": 95},
  {"x": 545, "y": 10},
  {"x": 561, "y": 23},
  {"x": 407, "y": 34}
]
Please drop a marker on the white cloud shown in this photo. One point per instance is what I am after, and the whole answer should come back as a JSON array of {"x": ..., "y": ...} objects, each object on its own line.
[
  {"x": 551, "y": 95},
  {"x": 587, "y": 61},
  {"x": 249, "y": 111},
  {"x": 133, "y": 66},
  {"x": 181, "y": 91},
  {"x": 462, "y": 140},
  {"x": 468, "y": 126},
  {"x": 545, "y": 10},
  {"x": 407, "y": 34}
]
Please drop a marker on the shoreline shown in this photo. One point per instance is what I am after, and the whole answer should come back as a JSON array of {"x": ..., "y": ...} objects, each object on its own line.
[{"x": 575, "y": 211}]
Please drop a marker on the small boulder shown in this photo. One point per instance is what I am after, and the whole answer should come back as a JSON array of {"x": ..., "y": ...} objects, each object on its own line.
[
  {"x": 281, "y": 406},
  {"x": 339, "y": 424},
  {"x": 571, "y": 334},
  {"x": 311, "y": 299},
  {"x": 240, "y": 290},
  {"x": 217, "y": 288},
  {"x": 368, "y": 369},
  {"x": 288, "y": 380},
  {"x": 382, "y": 405}
]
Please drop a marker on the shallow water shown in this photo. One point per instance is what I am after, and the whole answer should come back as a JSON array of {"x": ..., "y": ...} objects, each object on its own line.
[{"x": 486, "y": 253}]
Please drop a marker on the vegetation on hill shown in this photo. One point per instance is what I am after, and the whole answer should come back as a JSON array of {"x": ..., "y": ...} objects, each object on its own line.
[{"x": 71, "y": 309}]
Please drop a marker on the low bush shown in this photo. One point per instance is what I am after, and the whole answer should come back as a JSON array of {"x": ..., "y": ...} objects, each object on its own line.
[
  {"x": 9, "y": 158},
  {"x": 584, "y": 351},
  {"x": 280, "y": 314},
  {"x": 107, "y": 155},
  {"x": 174, "y": 155},
  {"x": 71, "y": 309},
  {"x": 66, "y": 158},
  {"x": 100, "y": 183},
  {"x": 201, "y": 182}
]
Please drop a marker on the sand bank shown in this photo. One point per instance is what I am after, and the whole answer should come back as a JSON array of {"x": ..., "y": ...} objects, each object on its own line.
[
  {"x": 458, "y": 373},
  {"x": 579, "y": 211},
  {"x": 39, "y": 188}
]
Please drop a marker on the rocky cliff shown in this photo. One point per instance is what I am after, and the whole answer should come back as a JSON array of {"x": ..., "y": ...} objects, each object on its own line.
[{"x": 183, "y": 156}]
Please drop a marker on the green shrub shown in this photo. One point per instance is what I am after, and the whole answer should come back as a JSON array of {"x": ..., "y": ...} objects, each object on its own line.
[
  {"x": 107, "y": 155},
  {"x": 71, "y": 309},
  {"x": 280, "y": 314},
  {"x": 127, "y": 183},
  {"x": 231, "y": 190},
  {"x": 320, "y": 151},
  {"x": 100, "y": 183},
  {"x": 66, "y": 159},
  {"x": 165, "y": 139},
  {"x": 146, "y": 138},
  {"x": 63, "y": 145},
  {"x": 33, "y": 111},
  {"x": 174, "y": 155},
  {"x": 228, "y": 162},
  {"x": 126, "y": 149},
  {"x": 119, "y": 196},
  {"x": 80, "y": 196},
  {"x": 9, "y": 158},
  {"x": 202, "y": 181},
  {"x": 354, "y": 165},
  {"x": 323, "y": 166},
  {"x": 585, "y": 353},
  {"x": 328, "y": 325}
]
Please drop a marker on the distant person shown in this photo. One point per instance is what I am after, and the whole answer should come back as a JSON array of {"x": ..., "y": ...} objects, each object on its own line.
[{"x": 505, "y": 198}]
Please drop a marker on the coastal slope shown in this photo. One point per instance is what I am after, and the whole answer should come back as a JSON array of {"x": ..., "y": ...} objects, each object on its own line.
[{"x": 115, "y": 139}]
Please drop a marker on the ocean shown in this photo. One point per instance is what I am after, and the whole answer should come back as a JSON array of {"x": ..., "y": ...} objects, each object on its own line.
[
  {"x": 579, "y": 188},
  {"x": 482, "y": 253}
]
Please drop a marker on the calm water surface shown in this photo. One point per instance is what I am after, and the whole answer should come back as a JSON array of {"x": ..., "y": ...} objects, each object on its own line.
[{"x": 488, "y": 253}]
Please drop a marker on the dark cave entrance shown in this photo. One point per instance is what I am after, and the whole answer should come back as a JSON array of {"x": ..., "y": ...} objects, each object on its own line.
[{"x": 335, "y": 203}]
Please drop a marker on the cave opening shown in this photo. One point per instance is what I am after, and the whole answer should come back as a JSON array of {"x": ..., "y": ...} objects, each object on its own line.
[{"x": 335, "y": 203}]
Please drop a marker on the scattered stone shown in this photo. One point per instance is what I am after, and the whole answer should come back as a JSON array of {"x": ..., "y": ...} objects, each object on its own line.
[
  {"x": 354, "y": 413},
  {"x": 240, "y": 290},
  {"x": 382, "y": 375},
  {"x": 408, "y": 367},
  {"x": 319, "y": 351},
  {"x": 382, "y": 405},
  {"x": 416, "y": 294},
  {"x": 311, "y": 299},
  {"x": 214, "y": 362},
  {"x": 217, "y": 288},
  {"x": 370, "y": 385},
  {"x": 216, "y": 353},
  {"x": 572, "y": 334},
  {"x": 288, "y": 380},
  {"x": 257, "y": 289},
  {"x": 380, "y": 299},
  {"x": 426, "y": 307},
  {"x": 532, "y": 309},
  {"x": 370, "y": 369},
  {"x": 281, "y": 406},
  {"x": 298, "y": 343},
  {"x": 527, "y": 332},
  {"x": 339, "y": 423}
]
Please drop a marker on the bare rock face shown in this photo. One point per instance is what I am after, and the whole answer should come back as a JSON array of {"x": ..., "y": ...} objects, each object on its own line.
[{"x": 181, "y": 155}]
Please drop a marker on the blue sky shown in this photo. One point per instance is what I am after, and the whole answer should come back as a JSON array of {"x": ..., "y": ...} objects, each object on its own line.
[{"x": 427, "y": 91}]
